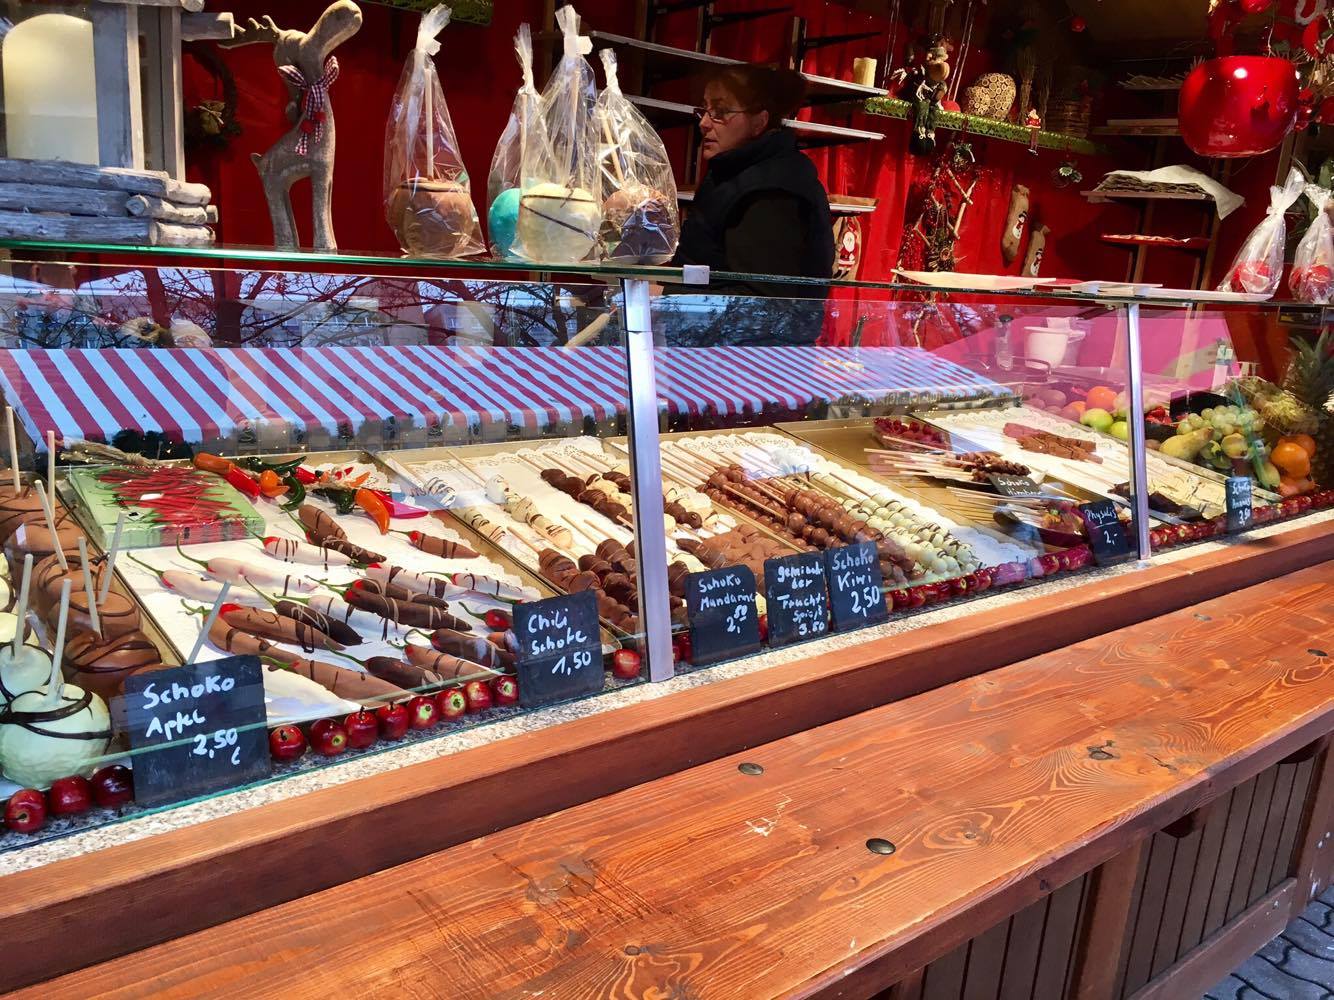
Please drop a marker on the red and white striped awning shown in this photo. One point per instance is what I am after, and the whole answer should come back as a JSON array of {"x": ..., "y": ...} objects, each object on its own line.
[{"x": 207, "y": 395}]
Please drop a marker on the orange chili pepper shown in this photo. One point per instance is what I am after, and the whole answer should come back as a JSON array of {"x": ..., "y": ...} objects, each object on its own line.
[
  {"x": 212, "y": 463},
  {"x": 374, "y": 507},
  {"x": 271, "y": 484},
  {"x": 358, "y": 481}
]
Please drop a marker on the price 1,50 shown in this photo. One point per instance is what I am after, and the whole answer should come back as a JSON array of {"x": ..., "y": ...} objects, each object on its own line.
[
  {"x": 577, "y": 660},
  {"x": 211, "y": 746}
]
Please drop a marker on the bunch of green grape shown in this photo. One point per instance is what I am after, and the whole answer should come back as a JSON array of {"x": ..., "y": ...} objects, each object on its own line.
[{"x": 1222, "y": 420}]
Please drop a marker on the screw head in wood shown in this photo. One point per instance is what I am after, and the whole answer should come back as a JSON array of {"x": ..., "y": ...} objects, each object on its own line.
[
  {"x": 879, "y": 845},
  {"x": 749, "y": 768}
]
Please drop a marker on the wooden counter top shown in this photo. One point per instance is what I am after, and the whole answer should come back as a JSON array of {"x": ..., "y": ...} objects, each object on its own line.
[{"x": 994, "y": 791}]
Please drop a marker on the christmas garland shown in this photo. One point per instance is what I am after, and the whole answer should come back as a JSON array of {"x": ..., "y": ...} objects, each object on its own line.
[{"x": 894, "y": 107}]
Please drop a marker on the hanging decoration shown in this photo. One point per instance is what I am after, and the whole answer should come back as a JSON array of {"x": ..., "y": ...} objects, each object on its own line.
[
  {"x": 924, "y": 86},
  {"x": 847, "y": 247},
  {"x": 928, "y": 243},
  {"x": 1015, "y": 224},
  {"x": 1037, "y": 248}
]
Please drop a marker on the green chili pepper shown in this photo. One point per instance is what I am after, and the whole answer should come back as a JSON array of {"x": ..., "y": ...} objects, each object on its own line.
[
  {"x": 344, "y": 501},
  {"x": 256, "y": 464},
  {"x": 296, "y": 491}
]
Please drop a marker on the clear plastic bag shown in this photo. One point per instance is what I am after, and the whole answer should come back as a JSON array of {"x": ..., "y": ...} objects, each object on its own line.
[
  {"x": 559, "y": 210},
  {"x": 641, "y": 221},
  {"x": 427, "y": 196},
  {"x": 525, "y": 127},
  {"x": 1313, "y": 267},
  {"x": 1258, "y": 266}
]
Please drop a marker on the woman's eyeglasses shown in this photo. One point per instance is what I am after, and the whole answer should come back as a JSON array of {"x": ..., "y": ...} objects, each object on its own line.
[{"x": 718, "y": 116}]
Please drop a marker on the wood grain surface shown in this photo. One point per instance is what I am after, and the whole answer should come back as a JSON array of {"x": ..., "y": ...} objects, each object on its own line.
[
  {"x": 252, "y": 860},
  {"x": 996, "y": 791}
]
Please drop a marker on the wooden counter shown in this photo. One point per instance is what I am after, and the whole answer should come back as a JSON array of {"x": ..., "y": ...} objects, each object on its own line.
[{"x": 1130, "y": 814}]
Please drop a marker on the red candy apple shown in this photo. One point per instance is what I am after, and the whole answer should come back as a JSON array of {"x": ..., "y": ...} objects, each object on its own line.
[
  {"x": 451, "y": 704},
  {"x": 478, "y": 694},
  {"x": 26, "y": 811},
  {"x": 363, "y": 729},
  {"x": 625, "y": 664},
  {"x": 114, "y": 785},
  {"x": 505, "y": 690},
  {"x": 70, "y": 796},
  {"x": 286, "y": 743},
  {"x": 328, "y": 738},
  {"x": 393, "y": 721},
  {"x": 422, "y": 713}
]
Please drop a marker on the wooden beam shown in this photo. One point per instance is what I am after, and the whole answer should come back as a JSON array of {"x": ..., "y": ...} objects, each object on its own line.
[
  {"x": 120, "y": 106},
  {"x": 76, "y": 175},
  {"x": 127, "y": 231},
  {"x": 208, "y": 27},
  {"x": 1104, "y": 935},
  {"x": 243, "y": 862},
  {"x": 1209, "y": 963},
  {"x": 1315, "y": 851},
  {"x": 994, "y": 792}
]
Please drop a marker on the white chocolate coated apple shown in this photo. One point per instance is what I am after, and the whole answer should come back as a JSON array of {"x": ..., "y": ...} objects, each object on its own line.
[
  {"x": 30, "y": 671},
  {"x": 34, "y": 757}
]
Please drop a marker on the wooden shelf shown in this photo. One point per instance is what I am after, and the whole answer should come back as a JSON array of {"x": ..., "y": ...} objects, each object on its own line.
[
  {"x": 1144, "y": 128},
  {"x": 1101, "y": 196},
  {"x": 837, "y": 205},
  {"x": 820, "y": 89},
  {"x": 1188, "y": 244},
  {"x": 989, "y": 128},
  {"x": 809, "y": 134}
]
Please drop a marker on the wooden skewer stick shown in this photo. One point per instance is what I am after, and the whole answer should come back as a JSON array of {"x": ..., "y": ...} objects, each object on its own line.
[
  {"x": 570, "y": 521},
  {"x": 208, "y": 622},
  {"x": 93, "y": 618},
  {"x": 13, "y": 448},
  {"x": 51, "y": 468},
  {"x": 56, "y": 685},
  {"x": 21, "y": 610},
  {"x": 51, "y": 524},
  {"x": 111, "y": 559}
]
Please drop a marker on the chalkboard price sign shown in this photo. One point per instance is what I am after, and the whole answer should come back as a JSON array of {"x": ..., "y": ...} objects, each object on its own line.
[
  {"x": 1240, "y": 513},
  {"x": 1106, "y": 536},
  {"x": 855, "y": 595},
  {"x": 797, "y": 598},
  {"x": 560, "y": 648},
  {"x": 1014, "y": 486},
  {"x": 724, "y": 623},
  {"x": 197, "y": 730}
]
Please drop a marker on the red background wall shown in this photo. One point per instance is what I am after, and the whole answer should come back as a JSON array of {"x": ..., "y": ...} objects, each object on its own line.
[{"x": 480, "y": 74}]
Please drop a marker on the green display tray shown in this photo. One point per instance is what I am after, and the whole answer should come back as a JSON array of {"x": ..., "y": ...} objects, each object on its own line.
[{"x": 227, "y": 515}]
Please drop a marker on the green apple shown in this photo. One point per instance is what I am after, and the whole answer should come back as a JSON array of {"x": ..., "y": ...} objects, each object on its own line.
[
  {"x": 1120, "y": 429},
  {"x": 1098, "y": 419}
]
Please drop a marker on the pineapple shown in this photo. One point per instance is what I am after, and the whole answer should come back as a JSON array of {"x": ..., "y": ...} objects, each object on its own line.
[{"x": 1311, "y": 379}]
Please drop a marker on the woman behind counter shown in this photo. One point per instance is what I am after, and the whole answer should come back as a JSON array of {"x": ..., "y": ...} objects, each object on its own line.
[{"x": 761, "y": 208}]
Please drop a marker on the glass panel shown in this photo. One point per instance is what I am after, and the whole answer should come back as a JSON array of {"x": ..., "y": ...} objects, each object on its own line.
[
  {"x": 1246, "y": 395},
  {"x": 384, "y": 471},
  {"x": 809, "y": 425}
]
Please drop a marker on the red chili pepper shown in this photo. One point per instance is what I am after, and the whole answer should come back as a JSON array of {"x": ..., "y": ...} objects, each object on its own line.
[
  {"x": 375, "y": 508},
  {"x": 243, "y": 481},
  {"x": 304, "y": 476},
  {"x": 496, "y": 619},
  {"x": 271, "y": 484}
]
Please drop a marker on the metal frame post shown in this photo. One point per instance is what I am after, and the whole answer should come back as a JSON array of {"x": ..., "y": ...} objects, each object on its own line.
[
  {"x": 1139, "y": 470},
  {"x": 655, "y": 613}
]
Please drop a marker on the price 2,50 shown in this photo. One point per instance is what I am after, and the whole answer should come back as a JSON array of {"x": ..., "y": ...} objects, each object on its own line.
[
  {"x": 866, "y": 599},
  {"x": 211, "y": 746}
]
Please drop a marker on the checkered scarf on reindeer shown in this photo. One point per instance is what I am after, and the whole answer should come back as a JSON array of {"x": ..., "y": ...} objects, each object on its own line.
[{"x": 314, "y": 97}]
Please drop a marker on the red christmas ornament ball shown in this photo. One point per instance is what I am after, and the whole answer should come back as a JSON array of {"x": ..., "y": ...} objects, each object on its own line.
[{"x": 1078, "y": 24}]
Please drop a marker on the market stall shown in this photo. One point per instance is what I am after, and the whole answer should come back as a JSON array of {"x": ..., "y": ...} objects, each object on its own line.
[{"x": 292, "y": 532}]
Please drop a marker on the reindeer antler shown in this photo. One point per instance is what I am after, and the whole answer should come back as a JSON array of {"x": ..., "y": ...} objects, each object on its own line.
[{"x": 263, "y": 30}]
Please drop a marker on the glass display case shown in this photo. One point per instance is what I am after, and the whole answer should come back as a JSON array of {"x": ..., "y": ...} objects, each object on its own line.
[{"x": 311, "y": 507}]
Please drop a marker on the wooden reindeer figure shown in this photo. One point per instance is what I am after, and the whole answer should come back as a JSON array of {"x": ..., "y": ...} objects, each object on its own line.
[{"x": 307, "y": 66}]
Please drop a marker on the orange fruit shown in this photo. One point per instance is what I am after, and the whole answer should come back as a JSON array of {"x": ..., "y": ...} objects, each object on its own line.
[
  {"x": 1073, "y": 411},
  {"x": 1291, "y": 458},
  {"x": 1102, "y": 398},
  {"x": 1306, "y": 441}
]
